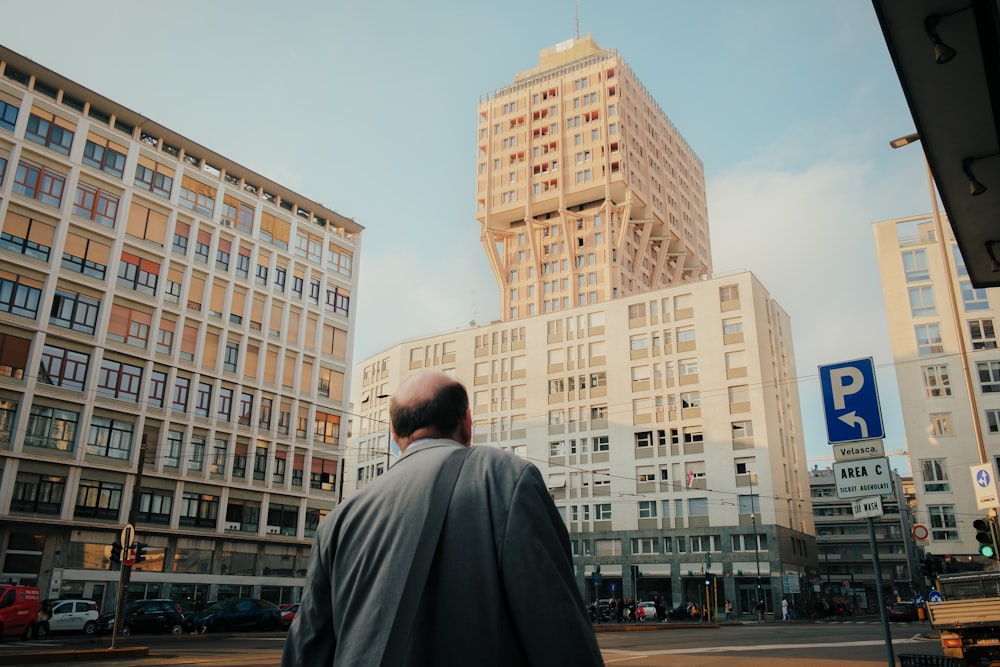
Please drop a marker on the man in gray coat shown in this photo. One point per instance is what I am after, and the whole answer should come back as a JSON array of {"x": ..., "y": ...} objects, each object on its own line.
[{"x": 500, "y": 590}]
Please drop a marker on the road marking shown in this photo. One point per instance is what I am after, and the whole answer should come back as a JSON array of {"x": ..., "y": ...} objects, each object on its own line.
[{"x": 624, "y": 655}]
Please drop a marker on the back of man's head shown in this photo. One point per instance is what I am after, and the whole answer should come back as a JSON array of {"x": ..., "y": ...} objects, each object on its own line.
[{"x": 429, "y": 400}]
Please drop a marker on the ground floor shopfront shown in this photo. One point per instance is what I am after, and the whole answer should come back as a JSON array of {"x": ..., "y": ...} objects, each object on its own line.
[{"x": 67, "y": 562}]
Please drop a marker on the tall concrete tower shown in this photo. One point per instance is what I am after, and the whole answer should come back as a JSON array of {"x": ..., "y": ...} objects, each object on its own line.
[{"x": 586, "y": 192}]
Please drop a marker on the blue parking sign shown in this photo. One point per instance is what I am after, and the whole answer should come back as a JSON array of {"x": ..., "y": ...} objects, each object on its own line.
[{"x": 850, "y": 400}]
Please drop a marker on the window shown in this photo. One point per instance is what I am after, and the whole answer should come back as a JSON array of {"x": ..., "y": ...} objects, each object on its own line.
[
  {"x": 308, "y": 246},
  {"x": 153, "y": 176},
  {"x": 644, "y": 545},
  {"x": 749, "y": 504},
  {"x": 8, "y": 114},
  {"x": 111, "y": 438},
  {"x": 154, "y": 507},
  {"x": 138, "y": 274},
  {"x": 601, "y": 443},
  {"x": 231, "y": 356},
  {"x": 935, "y": 475},
  {"x": 327, "y": 428},
  {"x": 742, "y": 431},
  {"x": 172, "y": 449},
  {"x": 182, "y": 389},
  {"x": 157, "y": 388},
  {"x": 39, "y": 183},
  {"x": 85, "y": 256},
  {"x": 98, "y": 500},
  {"x": 944, "y": 525},
  {"x": 602, "y": 512},
  {"x": 196, "y": 455},
  {"x": 63, "y": 368},
  {"x": 225, "y": 404},
  {"x": 921, "y": 301},
  {"x": 120, "y": 380},
  {"x": 989, "y": 376},
  {"x": 973, "y": 298},
  {"x": 49, "y": 130},
  {"x": 105, "y": 155},
  {"x": 26, "y": 236},
  {"x": 915, "y": 265},
  {"x": 51, "y": 428},
  {"x": 928, "y": 339},
  {"x": 236, "y": 212},
  {"x": 982, "y": 335},
  {"x": 38, "y": 494},
  {"x": 690, "y": 399},
  {"x": 151, "y": 225},
  {"x": 202, "y": 245},
  {"x": 13, "y": 360},
  {"x": 730, "y": 327},
  {"x": 74, "y": 311},
  {"x": 197, "y": 196},
  {"x": 697, "y": 507},
  {"x": 19, "y": 295},
  {"x": 993, "y": 420},
  {"x": 647, "y": 509},
  {"x": 95, "y": 204},
  {"x": 937, "y": 382},
  {"x": 941, "y": 423},
  {"x": 199, "y": 510}
]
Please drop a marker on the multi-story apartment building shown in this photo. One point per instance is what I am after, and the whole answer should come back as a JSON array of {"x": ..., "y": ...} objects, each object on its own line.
[
  {"x": 586, "y": 191},
  {"x": 846, "y": 568},
  {"x": 667, "y": 426},
  {"x": 175, "y": 332},
  {"x": 944, "y": 344}
]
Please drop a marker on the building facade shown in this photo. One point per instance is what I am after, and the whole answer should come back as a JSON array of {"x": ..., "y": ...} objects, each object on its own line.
[
  {"x": 947, "y": 364},
  {"x": 846, "y": 568},
  {"x": 585, "y": 192},
  {"x": 175, "y": 336},
  {"x": 667, "y": 425}
]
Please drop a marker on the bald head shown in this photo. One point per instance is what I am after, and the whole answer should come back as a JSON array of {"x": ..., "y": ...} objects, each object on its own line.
[{"x": 430, "y": 404}]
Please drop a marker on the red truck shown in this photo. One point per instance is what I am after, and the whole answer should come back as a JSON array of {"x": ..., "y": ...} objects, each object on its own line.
[{"x": 19, "y": 611}]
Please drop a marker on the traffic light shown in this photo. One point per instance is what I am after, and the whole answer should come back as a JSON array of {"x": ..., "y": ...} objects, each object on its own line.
[
  {"x": 927, "y": 567},
  {"x": 985, "y": 537},
  {"x": 116, "y": 552},
  {"x": 140, "y": 552}
]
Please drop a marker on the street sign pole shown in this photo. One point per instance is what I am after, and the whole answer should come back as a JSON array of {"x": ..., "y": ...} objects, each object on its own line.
[{"x": 878, "y": 591}]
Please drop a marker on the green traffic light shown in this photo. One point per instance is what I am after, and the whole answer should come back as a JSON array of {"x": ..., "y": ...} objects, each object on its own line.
[{"x": 988, "y": 551}]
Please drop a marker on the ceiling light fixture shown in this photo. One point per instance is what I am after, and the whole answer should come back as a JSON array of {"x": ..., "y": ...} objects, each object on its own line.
[
  {"x": 994, "y": 264},
  {"x": 942, "y": 52}
]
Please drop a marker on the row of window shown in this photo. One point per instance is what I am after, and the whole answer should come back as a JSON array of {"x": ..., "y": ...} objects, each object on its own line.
[
  {"x": 46, "y": 185},
  {"x": 44, "y": 494},
  {"x": 671, "y": 544}
]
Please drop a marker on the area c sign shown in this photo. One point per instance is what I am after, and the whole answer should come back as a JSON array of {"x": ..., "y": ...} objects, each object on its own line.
[
  {"x": 850, "y": 399},
  {"x": 857, "y": 479}
]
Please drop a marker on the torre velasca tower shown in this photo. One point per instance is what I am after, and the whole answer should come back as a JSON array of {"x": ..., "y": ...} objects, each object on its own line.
[{"x": 586, "y": 191}]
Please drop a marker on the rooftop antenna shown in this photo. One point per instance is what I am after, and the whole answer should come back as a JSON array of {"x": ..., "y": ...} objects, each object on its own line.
[{"x": 578, "y": 19}]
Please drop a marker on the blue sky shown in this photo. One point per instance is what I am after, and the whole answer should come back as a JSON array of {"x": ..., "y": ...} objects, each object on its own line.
[{"x": 370, "y": 108}]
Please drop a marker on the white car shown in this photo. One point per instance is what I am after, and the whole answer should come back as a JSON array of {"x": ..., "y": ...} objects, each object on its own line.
[{"x": 68, "y": 616}]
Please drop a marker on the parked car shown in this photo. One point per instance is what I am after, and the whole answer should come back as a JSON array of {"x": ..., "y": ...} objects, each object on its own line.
[
  {"x": 288, "y": 612},
  {"x": 238, "y": 614},
  {"x": 68, "y": 616},
  {"x": 903, "y": 611},
  {"x": 19, "y": 606},
  {"x": 148, "y": 616}
]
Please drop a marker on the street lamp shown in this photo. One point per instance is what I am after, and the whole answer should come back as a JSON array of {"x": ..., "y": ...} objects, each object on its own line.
[
  {"x": 953, "y": 297},
  {"x": 756, "y": 541}
]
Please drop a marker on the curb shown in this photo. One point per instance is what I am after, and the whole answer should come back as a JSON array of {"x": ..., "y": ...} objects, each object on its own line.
[{"x": 653, "y": 627}]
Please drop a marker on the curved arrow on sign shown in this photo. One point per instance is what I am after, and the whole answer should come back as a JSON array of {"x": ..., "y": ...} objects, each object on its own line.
[{"x": 852, "y": 419}]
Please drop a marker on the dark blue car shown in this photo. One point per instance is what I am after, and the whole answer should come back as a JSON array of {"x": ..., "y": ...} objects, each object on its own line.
[{"x": 238, "y": 614}]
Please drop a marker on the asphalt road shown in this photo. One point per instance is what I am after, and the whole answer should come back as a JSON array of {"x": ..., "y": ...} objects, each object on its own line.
[{"x": 772, "y": 644}]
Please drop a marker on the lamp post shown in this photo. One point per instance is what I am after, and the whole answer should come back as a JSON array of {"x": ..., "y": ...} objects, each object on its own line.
[
  {"x": 756, "y": 543},
  {"x": 953, "y": 297}
]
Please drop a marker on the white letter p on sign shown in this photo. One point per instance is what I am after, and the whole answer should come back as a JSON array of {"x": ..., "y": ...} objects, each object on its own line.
[{"x": 844, "y": 382}]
